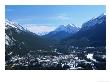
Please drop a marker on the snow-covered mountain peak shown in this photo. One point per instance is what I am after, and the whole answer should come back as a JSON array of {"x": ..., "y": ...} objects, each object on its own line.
[
  {"x": 11, "y": 24},
  {"x": 60, "y": 28},
  {"x": 102, "y": 15},
  {"x": 95, "y": 20},
  {"x": 70, "y": 25},
  {"x": 70, "y": 28}
]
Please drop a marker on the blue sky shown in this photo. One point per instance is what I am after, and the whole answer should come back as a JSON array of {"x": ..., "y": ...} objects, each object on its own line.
[{"x": 52, "y": 15}]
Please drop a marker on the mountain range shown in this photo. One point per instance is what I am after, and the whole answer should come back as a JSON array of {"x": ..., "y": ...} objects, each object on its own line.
[
  {"x": 67, "y": 47},
  {"x": 92, "y": 33},
  {"x": 62, "y": 32}
]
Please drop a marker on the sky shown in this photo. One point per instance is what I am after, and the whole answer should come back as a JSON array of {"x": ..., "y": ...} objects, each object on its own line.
[{"x": 45, "y": 18}]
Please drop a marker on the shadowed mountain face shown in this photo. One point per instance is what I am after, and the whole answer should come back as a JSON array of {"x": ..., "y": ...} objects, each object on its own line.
[
  {"x": 92, "y": 33},
  {"x": 62, "y": 32},
  {"x": 19, "y": 41}
]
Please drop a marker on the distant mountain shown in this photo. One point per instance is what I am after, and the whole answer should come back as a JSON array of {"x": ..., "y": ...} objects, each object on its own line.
[
  {"x": 42, "y": 33},
  {"x": 18, "y": 40},
  {"x": 62, "y": 32},
  {"x": 92, "y": 33},
  {"x": 70, "y": 28}
]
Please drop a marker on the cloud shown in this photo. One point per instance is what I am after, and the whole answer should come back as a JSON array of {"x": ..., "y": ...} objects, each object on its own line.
[
  {"x": 63, "y": 17},
  {"x": 39, "y": 28}
]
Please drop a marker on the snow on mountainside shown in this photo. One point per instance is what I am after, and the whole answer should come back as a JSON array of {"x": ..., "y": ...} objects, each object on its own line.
[
  {"x": 92, "y": 33},
  {"x": 96, "y": 20},
  {"x": 70, "y": 28},
  {"x": 10, "y": 24},
  {"x": 62, "y": 32},
  {"x": 19, "y": 38},
  {"x": 11, "y": 29}
]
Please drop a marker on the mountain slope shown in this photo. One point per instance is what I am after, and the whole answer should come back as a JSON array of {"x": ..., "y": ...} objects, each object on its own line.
[
  {"x": 19, "y": 41},
  {"x": 92, "y": 33}
]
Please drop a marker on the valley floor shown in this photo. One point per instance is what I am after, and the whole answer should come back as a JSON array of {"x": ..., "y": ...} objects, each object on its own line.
[{"x": 75, "y": 58}]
